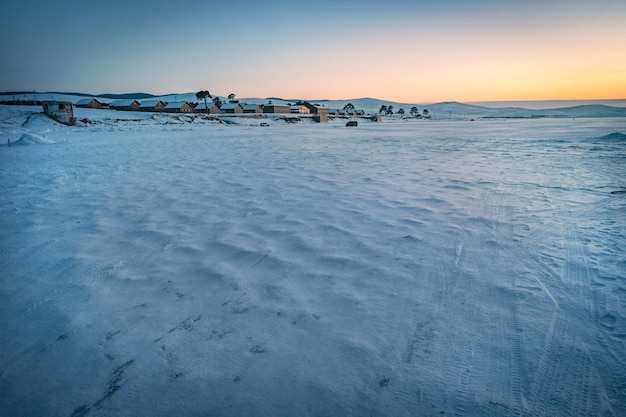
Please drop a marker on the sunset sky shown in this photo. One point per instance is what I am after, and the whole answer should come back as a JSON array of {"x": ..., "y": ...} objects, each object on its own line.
[{"x": 406, "y": 51}]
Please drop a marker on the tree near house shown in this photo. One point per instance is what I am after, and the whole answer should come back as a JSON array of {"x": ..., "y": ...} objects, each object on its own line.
[
  {"x": 414, "y": 111},
  {"x": 217, "y": 101},
  {"x": 203, "y": 95},
  {"x": 348, "y": 107},
  {"x": 231, "y": 97},
  {"x": 389, "y": 111},
  {"x": 401, "y": 112},
  {"x": 383, "y": 109},
  {"x": 426, "y": 113}
]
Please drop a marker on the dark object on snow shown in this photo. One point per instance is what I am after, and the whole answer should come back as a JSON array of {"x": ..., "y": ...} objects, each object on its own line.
[
  {"x": 264, "y": 124},
  {"x": 352, "y": 123},
  {"x": 61, "y": 111}
]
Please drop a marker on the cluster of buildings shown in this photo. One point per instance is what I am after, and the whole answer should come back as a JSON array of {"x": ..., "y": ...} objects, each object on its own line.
[
  {"x": 63, "y": 111},
  {"x": 319, "y": 113}
]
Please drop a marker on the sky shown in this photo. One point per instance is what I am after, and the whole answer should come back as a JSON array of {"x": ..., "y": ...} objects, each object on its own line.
[{"x": 406, "y": 51}]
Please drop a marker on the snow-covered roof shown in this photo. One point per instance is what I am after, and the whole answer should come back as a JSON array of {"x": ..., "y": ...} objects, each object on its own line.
[
  {"x": 122, "y": 103},
  {"x": 250, "y": 106},
  {"x": 149, "y": 103},
  {"x": 175, "y": 104},
  {"x": 230, "y": 106},
  {"x": 84, "y": 101}
]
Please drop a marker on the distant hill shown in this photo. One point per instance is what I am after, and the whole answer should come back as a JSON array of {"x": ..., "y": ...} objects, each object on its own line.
[{"x": 125, "y": 96}]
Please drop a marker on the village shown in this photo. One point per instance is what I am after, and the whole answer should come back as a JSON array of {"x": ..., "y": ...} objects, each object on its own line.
[
  {"x": 63, "y": 111},
  {"x": 318, "y": 112}
]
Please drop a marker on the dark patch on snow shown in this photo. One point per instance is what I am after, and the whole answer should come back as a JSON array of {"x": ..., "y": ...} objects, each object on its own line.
[
  {"x": 257, "y": 349},
  {"x": 116, "y": 381},
  {"x": 615, "y": 136}
]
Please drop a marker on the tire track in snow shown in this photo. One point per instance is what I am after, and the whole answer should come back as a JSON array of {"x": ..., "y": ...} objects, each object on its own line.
[
  {"x": 558, "y": 388},
  {"x": 508, "y": 379}
]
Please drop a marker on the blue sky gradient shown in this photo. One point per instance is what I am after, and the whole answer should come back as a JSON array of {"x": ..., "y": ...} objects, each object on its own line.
[{"x": 412, "y": 51}]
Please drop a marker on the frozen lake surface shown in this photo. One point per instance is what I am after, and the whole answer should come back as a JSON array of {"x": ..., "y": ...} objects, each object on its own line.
[{"x": 394, "y": 269}]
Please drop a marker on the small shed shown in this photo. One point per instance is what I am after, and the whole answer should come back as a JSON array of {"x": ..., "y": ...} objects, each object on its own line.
[
  {"x": 91, "y": 103},
  {"x": 152, "y": 105},
  {"x": 231, "y": 108},
  {"x": 61, "y": 111},
  {"x": 125, "y": 105},
  {"x": 178, "y": 107}
]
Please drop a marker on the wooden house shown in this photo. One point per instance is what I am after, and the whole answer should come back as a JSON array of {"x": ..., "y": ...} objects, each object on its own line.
[
  {"x": 178, "y": 107},
  {"x": 90, "y": 103},
  {"x": 61, "y": 111},
  {"x": 231, "y": 108},
  {"x": 276, "y": 108},
  {"x": 252, "y": 108},
  {"x": 202, "y": 107},
  {"x": 300, "y": 109},
  {"x": 320, "y": 112},
  {"x": 152, "y": 105},
  {"x": 125, "y": 105}
]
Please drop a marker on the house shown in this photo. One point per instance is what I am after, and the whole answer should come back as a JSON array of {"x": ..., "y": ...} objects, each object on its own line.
[
  {"x": 320, "y": 112},
  {"x": 276, "y": 108},
  {"x": 125, "y": 105},
  {"x": 299, "y": 108},
  {"x": 61, "y": 111},
  {"x": 202, "y": 107},
  {"x": 334, "y": 112},
  {"x": 252, "y": 108},
  {"x": 152, "y": 105},
  {"x": 231, "y": 108},
  {"x": 178, "y": 107},
  {"x": 316, "y": 108},
  {"x": 90, "y": 103}
]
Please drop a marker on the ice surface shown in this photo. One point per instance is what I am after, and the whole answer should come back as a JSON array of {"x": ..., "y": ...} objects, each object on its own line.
[{"x": 160, "y": 266}]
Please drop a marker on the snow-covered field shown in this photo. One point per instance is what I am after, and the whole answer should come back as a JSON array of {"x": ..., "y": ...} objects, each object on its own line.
[{"x": 426, "y": 268}]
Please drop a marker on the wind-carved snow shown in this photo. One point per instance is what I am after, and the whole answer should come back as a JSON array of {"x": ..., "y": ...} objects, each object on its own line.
[{"x": 401, "y": 269}]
